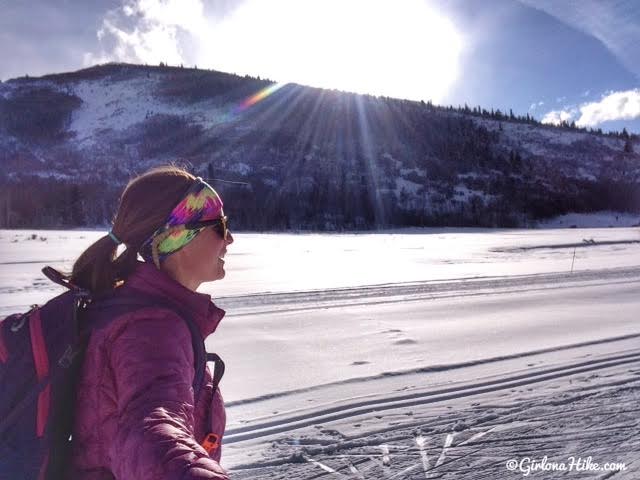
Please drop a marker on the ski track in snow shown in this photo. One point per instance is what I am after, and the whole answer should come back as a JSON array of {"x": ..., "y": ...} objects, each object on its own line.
[
  {"x": 266, "y": 303},
  {"x": 390, "y": 401},
  {"x": 580, "y": 415}
]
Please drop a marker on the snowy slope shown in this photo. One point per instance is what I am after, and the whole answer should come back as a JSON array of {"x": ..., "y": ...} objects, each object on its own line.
[
  {"x": 371, "y": 162},
  {"x": 108, "y": 105}
]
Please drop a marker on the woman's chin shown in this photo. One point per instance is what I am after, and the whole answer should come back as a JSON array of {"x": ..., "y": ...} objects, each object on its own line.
[{"x": 220, "y": 273}]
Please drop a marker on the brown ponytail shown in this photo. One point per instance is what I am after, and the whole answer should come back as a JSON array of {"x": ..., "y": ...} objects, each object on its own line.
[{"x": 144, "y": 207}]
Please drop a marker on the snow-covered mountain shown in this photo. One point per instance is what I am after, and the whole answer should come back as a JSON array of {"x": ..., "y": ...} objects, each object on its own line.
[{"x": 300, "y": 157}]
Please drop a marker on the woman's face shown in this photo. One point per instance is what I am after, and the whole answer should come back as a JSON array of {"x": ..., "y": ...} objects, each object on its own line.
[
  {"x": 201, "y": 260},
  {"x": 209, "y": 253}
]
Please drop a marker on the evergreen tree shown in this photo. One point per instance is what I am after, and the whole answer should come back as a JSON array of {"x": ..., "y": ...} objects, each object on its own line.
[
  {"x": 75, "y": 200},
  {"x": 628, "y": 148}
]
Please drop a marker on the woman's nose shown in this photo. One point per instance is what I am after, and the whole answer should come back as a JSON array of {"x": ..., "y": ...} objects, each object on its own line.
[{"x": 229, "y": 238}]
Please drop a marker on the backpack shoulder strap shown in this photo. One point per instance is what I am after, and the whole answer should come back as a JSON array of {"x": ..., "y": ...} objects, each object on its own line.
[{"x": 219, "y": 368}]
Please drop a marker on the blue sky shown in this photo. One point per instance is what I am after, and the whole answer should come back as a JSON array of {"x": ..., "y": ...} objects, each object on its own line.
[{"x": 554, "y": 59}]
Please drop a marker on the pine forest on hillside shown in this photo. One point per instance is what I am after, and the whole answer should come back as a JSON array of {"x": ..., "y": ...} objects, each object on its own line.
[{"x": 302, "y": 158}]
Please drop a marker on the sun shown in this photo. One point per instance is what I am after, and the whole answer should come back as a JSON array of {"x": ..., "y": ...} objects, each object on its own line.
[{"x": 402, "y": 49}]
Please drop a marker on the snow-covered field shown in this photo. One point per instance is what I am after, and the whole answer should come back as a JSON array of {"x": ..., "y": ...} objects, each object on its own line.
[{"x": 421, "y": 353}]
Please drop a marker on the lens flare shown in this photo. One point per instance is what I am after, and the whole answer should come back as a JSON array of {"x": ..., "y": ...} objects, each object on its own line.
[{"x": 261, "y": 95}]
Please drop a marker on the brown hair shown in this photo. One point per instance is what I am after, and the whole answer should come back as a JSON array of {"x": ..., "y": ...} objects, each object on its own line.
[{"x": 144, "y": 207}]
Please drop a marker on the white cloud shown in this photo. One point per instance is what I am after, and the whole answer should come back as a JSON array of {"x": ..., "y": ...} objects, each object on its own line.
[
  {"x": 367, "y": 46},
  {"x": 186, "y": 14},
  {"x": 535, "y": 105},
  {"x": 556, "y": 117},
  {"x": 612, "y": 106},
  {"x": 154, "y": 35}
]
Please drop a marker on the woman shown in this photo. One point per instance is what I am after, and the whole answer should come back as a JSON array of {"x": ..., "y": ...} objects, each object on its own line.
[{"x": 137, "y": 416}]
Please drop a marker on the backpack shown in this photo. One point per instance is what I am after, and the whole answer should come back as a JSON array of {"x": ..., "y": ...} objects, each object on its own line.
[{"x": 41, "y": 353}]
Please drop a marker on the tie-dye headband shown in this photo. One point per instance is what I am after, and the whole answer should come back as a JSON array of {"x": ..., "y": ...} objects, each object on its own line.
[{"x": 200, "y": 203}]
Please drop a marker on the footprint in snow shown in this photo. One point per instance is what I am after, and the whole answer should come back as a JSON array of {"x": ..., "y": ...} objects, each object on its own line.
[
  {"x": 459, "y": 426},
  {"x": 406, "y": 341}
]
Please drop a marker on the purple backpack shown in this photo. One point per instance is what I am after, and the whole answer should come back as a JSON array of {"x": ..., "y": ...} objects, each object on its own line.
[{"x": 41, "y": 354}]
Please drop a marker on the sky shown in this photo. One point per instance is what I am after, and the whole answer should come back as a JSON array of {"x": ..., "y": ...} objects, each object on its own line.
[{"x": 573, "y": 60}]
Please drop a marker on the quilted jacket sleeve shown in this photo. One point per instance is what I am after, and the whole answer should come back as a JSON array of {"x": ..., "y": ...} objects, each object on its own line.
[{"x": 152, "y": 361}]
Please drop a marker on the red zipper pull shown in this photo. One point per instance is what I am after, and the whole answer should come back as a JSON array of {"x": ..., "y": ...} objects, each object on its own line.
[{"x": 211, "y": 442}]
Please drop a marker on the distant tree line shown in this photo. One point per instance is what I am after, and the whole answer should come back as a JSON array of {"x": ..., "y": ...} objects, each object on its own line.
[
  {"x": 50, "y": 203},
  {"x": 498, "y": 115},
  {"x": 38, "y": 115}
]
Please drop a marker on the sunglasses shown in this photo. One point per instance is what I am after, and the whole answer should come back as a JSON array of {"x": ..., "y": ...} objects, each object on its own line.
[{"x": 220, "y": 225}]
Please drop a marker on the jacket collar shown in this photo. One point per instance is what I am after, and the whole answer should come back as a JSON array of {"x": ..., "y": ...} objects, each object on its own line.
[{"x": 152, "y": 281}]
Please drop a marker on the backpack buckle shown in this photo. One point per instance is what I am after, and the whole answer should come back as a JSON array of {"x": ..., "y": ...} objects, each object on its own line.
[
  {"x": 19, "y": 323},
  {"x": 67, "y": 357}
]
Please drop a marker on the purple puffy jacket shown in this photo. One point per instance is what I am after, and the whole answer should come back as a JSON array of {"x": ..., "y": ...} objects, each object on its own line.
[{"x": 136, "y": 417}]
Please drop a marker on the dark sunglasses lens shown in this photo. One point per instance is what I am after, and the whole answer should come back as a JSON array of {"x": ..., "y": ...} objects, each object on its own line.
[{"x": 221, "y": 228}]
